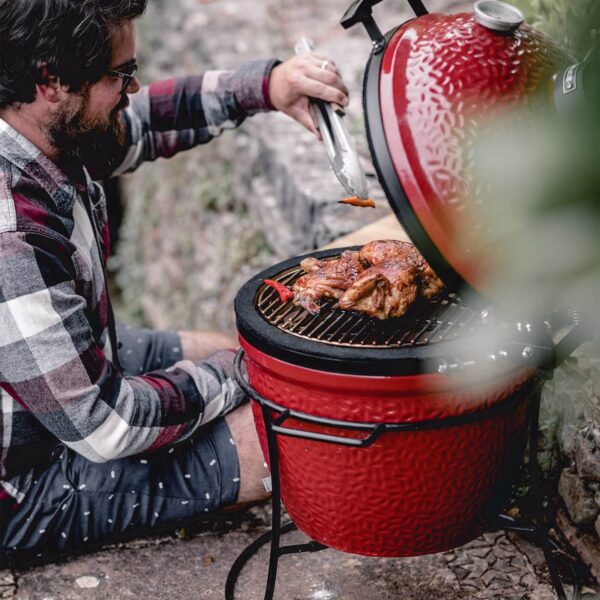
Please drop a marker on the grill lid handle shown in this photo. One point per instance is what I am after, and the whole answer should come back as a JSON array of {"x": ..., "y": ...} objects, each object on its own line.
[{"x": 361, "y": 11}]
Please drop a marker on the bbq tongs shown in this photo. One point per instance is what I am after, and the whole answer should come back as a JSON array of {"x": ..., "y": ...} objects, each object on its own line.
[{"x": 337, "y": 139}]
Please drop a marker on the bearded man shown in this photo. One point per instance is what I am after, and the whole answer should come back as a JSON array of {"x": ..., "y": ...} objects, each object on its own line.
[{"x": 109, "y": 430}]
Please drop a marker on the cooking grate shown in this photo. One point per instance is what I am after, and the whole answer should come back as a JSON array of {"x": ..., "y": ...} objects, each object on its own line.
[{"x": 427, "y": 322}]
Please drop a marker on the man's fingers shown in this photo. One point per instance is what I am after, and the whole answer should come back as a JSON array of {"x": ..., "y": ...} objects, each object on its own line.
[
  {"x": 317, "y": 59},
  {"x": 309, "y": 62},
  {"x": 328, "y": 77},
  {"x": 318, "y": 89},
  {"x": 305, "y": 117},
  {"x": 302, "y": 77},
  {"x": 319, "y": 63}
]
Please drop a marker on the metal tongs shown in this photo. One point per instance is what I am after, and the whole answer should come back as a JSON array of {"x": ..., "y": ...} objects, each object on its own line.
[{"x": 338, "y": 141}]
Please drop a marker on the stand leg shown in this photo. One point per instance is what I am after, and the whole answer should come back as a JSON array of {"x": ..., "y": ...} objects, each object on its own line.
[
  {"x": 541, "y": 502},
  {"x": 274, "y": 535},
  {"x": 276, "y": 503}
]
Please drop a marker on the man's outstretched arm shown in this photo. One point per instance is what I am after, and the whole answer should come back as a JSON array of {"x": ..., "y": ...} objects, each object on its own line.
[{"x": 177, "y": 114}]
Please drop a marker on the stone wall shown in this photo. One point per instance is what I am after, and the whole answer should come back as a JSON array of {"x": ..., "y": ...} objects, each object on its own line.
[
  {"x": 570, "y": 431},
  {"x": 254, "y": 196}
]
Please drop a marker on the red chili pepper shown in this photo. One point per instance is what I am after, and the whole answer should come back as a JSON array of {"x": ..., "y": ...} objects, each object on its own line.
[{"x": 285, "y": 294}]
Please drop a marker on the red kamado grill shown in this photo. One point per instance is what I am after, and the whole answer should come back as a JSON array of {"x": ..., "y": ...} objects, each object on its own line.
[{"x": 375, "y": 446}]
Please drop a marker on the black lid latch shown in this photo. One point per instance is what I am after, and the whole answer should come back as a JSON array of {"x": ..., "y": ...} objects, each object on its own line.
[{"x": 361, "y": 11}]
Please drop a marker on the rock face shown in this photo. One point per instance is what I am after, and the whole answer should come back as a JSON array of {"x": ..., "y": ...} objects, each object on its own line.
[
  {"x": 570, "y": 419},
  {"x": 578, "y": 498},
  {"x": 250, "y": 198},
  {"x": 587, "y": 453}
]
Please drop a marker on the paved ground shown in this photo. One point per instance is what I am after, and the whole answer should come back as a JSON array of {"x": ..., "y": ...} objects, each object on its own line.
[{"x": 496, "y": 565}]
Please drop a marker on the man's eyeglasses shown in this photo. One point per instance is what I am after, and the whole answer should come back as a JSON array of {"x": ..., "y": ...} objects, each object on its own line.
[{"x": 126, "y": 76}]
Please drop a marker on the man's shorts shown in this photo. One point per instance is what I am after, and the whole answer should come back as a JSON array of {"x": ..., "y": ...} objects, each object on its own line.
[
  {"x": 76, "y": 504},
  {"x": 144, "y": 350}
]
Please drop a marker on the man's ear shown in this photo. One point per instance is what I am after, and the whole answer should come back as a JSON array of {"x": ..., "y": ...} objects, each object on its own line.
[{"x": 48, "y": 87}]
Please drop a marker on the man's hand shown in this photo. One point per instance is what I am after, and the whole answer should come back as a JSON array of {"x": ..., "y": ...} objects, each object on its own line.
[{"x": 303, "y": 76}]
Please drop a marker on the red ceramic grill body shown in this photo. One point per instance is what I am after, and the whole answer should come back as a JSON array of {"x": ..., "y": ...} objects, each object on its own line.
[{"x": 410, "y": 493}]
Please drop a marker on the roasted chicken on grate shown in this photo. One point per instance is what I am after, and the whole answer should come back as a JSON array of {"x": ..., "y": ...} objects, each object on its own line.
[
  {"x": 325, "y": 279},
  {"x": 386, "y": 290},
  {"x": 381, "y": 280},
  {"x": 381, "y": 251}
]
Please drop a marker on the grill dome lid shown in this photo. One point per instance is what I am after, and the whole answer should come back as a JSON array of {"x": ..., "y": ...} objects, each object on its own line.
[{"x": 431, "y": 87}]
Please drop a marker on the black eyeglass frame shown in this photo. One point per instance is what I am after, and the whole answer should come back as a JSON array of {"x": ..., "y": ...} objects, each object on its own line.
[{"x": 126, "y": 78}]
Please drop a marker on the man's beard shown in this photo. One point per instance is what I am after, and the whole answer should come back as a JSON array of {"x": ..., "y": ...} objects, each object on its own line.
[{"x": 74, "y": 134}]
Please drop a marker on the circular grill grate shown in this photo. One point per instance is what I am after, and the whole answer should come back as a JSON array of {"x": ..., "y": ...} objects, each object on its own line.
[{"x": 427, "y": 322}]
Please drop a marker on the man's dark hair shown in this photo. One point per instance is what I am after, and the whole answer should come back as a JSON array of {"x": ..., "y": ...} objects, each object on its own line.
[{"x": 72, "y": 38}]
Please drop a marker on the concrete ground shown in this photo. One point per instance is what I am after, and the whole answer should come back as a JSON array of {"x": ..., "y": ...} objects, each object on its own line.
[{"x": 496, "y": 565}]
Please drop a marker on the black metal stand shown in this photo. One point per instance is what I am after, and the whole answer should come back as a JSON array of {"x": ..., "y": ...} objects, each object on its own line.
[{"x": 537, "y": 531}]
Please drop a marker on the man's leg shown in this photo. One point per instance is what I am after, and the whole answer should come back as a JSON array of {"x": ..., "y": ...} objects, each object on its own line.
[
  {"x": 74, "y": 503},
  {"x": 142, "y": 350},
  {"x": 199, "y": 345},
  {"x": 250, "y": 457}
]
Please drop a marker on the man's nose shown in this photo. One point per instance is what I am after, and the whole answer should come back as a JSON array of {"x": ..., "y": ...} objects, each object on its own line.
[{"x": 134, "y": 86}]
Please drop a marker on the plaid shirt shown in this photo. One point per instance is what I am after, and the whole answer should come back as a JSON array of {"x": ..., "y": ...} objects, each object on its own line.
[{"x": 57, "y": 381}]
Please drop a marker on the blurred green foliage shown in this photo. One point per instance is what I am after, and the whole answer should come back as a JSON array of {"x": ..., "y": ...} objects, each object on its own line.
[
  {"x": 544, "y": 204},
  {"x": 545, "y": 210},
  {"x": 568, "y": 22}
]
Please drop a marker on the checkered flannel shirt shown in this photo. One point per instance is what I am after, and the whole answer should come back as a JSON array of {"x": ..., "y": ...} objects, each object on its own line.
[{"x": 58, "y": 383}]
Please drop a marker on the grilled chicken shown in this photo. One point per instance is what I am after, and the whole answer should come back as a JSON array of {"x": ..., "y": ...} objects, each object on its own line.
[
  {"x": 430, "y": 284},
  {"x": 380, "y": 251},
  {"x": 383, "y": 291},
  {"x": 325, "y": 279},
  {"x": 381, "y": 280}
]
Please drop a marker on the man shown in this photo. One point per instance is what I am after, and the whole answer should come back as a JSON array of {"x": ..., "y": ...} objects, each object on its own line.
[{"x": 109, "y": 432}]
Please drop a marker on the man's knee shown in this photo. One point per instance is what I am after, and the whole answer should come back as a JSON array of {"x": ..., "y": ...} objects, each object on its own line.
[
  {"x": 250, "y": 456},
  {"x": 199, "y": 345}
]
